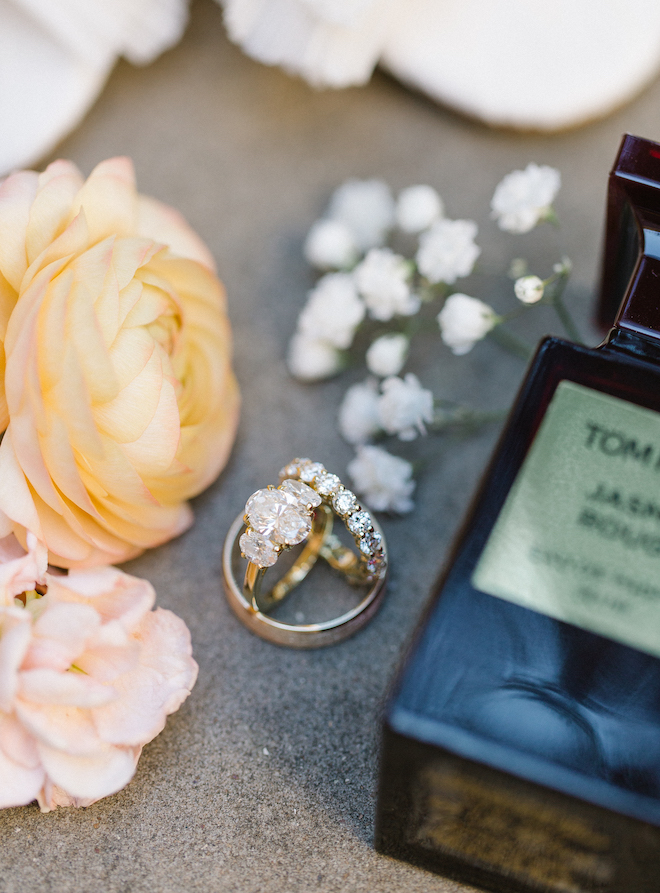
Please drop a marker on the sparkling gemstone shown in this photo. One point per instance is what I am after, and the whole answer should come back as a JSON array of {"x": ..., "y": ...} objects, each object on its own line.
[
  {"x": 257, "y": 549},
  {"x": 293, "y": 526},
  {"x": 327, "y": 484},
  {"x": 309, "y": 472},
  {"x": 263, "y": 506},
  {"x": 375, "y": 564},
  {"x": 345, "y": 502},
  {"x": 292, "y": 470},
  {"x": 374, "y": 539},
  {"x": 370, "y": 543},
  {"x": 359, "y": 523},
  {"x": 277, "y": 515},
  {"x": 303, "y": 494}
]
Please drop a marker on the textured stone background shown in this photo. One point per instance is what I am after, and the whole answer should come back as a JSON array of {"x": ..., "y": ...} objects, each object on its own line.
[{"x": 265, "y": 779}]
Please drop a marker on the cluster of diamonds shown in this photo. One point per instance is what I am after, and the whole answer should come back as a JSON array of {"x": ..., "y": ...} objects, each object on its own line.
[
  {"x": 280, "y": 517},
  {"x": 277, "y": 518},
  {"x": 345, "y": 503}
]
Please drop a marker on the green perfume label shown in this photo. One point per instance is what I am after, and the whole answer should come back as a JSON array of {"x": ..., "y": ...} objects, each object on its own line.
[{"x": 578, "y": 537}]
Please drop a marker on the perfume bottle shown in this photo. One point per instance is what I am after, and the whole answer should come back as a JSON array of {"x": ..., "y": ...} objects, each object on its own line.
[{"x": 521, "y": 743}]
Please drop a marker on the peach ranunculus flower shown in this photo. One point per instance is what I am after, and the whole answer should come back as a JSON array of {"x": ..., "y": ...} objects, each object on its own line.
[
  {"x": 88, "y": 675},
  {"x": 118, "y": 402}
]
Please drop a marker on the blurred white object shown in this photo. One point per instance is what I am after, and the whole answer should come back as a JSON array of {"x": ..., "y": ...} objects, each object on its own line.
[
  {"x": 417, "y": 208},
  {"x": 382, "y": 281},
  {"x": 385, "y": 481},
  {"x": 463, "y": 321},
  {"x": 527, "y": 64},
  {"x": 366, "y": 207},
  {"x": 387, "y": 355},
  {"x": 358, "y": 413},
  {"x": 55, "y": 56},
  {"x": 331, "y": 43},
  {"x": 330, "y": 245},
  {"x": 524, "y": 198}
]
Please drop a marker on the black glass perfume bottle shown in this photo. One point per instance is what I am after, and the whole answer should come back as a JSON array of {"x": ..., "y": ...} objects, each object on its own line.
[{"x": 521, "y": 747}]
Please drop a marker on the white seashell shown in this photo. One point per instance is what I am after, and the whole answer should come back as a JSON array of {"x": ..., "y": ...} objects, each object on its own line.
[
  {"x": 528, "y": 64},
  {"x": 55, "y": 56}
]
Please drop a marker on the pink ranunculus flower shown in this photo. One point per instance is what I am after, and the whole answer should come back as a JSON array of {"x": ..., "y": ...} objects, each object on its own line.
[
  {"x": 88, "y": 675},
  {"x": 117, "y": 398}
]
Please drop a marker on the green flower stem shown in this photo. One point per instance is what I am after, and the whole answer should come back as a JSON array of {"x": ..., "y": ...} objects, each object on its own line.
[
  {"x": 520, "y": 310},
  {"x": 510, "y": 342},
  {"x": 555, "y": 293},
  {"x": 566, "y": 319},
  {"x": 550, "y": 216}
]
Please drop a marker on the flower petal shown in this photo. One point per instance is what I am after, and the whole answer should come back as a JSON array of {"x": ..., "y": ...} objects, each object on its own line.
[
  {"x": 109, "y": 199},
  {"x": 70, "y": 689},
  {"x": 68, "y": 729},
  {"x": 164, "y": 224},
  {"x": 20, "y": 570},
  {"x": 155, "y": 449},
  {"x": 16, "y": 744},
  {"x": 50, "y": 213},
  {"x": 60, "y": 634},
  {"x": 15, "y": 632},
  {"x": 114, "y": 594},
  {"x": 101, "y": 773},
  {"x": 155, "y": 688},
  {"x": 17, "y": 193},
  {"x": 18, "y": 785}
]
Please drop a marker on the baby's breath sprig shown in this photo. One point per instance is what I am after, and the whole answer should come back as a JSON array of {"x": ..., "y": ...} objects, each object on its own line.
[{"x": 370, "y": 288}]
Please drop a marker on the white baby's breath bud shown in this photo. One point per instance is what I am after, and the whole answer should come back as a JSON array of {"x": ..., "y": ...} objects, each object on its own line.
[
  {"x": 383, "y": 480},
  {"x": 382, "y": 280},
  {"x": 523, "y": 198},
  {"x": 417, "y": 208},
  {"x": 463, "y": 321},
  {"x": 311, "y": 359},
  {"x": 387, "y": 354},
  {"x": 529, "y": 289},
  {"x": 447, "y": 250},
  {"x": 405, "y": 406},
  {"x": 358, "y": 413},
  {"x": 329, "y": 246},
  {"x": 333, "y": 310},
  {"x": 366, "y": 207}
]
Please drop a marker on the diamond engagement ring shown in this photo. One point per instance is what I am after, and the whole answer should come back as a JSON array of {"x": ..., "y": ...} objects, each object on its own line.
[{"x": 301, "y": 510}]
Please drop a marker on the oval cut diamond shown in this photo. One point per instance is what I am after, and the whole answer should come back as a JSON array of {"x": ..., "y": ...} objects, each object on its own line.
[
  {"x": 263, "y": 508},
  {"x": 304, "y": 494},
  {"x": 292, "y": 527},
  {"x": 277, "y": 515},
  {"x": 257, "y": 549}
]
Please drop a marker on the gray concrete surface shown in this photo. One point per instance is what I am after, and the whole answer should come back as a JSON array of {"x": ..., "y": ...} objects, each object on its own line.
[{"x": 264, "y": 782}]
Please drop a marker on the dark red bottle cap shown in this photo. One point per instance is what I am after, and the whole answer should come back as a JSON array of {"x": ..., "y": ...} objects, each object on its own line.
[{"x": 631, "y": 266}]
